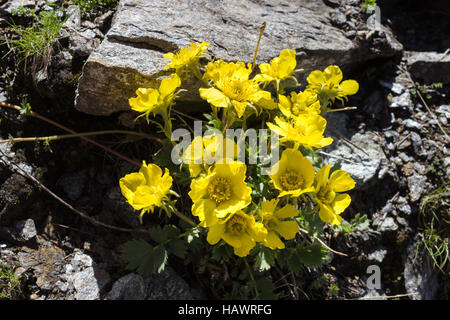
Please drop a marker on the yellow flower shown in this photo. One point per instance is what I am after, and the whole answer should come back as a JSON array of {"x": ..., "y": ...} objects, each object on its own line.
[
  {"x": 232, "y": 87},
  {"x": 156, "y": 100},
  {"x": 299, "y": 103},
  {"x": 332, "y": 203},
  {"x": 280, "y": 68},
  {"x": 146, "y": 189},
  {"x": 293, "y": 175},
  {"x": 272, "y": 219},
  {"x": 328, "y": 85},
  {"x": 219, "y": 193},
  {"x": 239, "y": 230},
  {"x": 187, "y": 56},
  {"x": 207, "y": 150},
  {"x": 307, "y": 130}
]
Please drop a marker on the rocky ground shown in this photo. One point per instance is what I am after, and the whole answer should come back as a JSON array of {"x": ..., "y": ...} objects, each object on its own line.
[{"x": 395, "y": 145}]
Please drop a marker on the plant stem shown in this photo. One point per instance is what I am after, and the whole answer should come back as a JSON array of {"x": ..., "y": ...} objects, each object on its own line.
[
  {"x": 341, "y": 109},
  {"x": 182, "y": 216},
  {"x": 250, "y": 272},
  {"x": 78, "y": 135},
  {"x": 56, "y": 124}
]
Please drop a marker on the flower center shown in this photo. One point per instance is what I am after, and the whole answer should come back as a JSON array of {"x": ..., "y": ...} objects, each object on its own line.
[
  {"x": 236, "y": 224},
  {"x": 326, "y": 195},
  {"x": 219, "y": 189},
  {"x": 269, "y": 221},
  {"x": 291, "y": 180},
  {"x": 295, "y": 110}
]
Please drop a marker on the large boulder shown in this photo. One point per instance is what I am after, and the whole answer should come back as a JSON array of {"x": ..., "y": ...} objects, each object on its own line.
[{"x": 131, "y": 54}]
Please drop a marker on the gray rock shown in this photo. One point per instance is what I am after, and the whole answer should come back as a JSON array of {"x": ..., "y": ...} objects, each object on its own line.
[
  {"x": 416, "y": 184},
  {"x": 405, "y": 208},
  {"x": 416, "y": 141},
  {"x": 388, "y": 225},
  {"x": 421, "y": 280},
  {"x": 402, "y": 101},
  {"x": 129, "y": 287},
  {"x": 73, "y": 183},
  {"x": 378, "y": 255},
  {"x": 26, "y": 229},
  {"x": 88, "y": 283},
  {"x": 395, "y": 87},
  {"x": 429, "y": 66},
  {"x": 12, "y": 5},
  {"x": 131, "y": 56},
  {"x": 168, "y": 286},
  {"x": 388, "y": 207},
  {"x": 412, "y": 124},
  {"x": 74, "y": 17},
  {"x": 444, "y": 110},
  {"x": 81, "y": 260},
  {"x": 362, "y": 167},
  {"x": 405, "y": 158}
]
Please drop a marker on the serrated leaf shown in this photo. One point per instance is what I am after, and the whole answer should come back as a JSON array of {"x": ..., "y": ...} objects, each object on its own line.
[
  {"x": 265, "y": 259},
  {"x": 158, "y": 234},
  {"x": 313, "y": 255},
  {"x": 144, "y": 258},
  {"x": 178, "y": 247},
  {"x": 293, "y": 261},
  {"x": 221, "y": 252},
  {"x": 136, "y": 252},
  {"x": 266, "y": 289},
  {"x": 313, "y": 224}
]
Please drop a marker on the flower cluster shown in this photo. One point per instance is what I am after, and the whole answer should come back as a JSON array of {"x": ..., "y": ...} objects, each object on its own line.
[{"x": 222, "y": 198}]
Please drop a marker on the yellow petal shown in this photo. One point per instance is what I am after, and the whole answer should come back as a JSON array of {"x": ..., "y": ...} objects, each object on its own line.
[
  {"x": 215, "y": 233},
  {"x": 169, "y": 85},
  {"x": 204, "y": 209},
  {"x": 340, "y": 181},
  {"x": 316, "y": 78},
  {"x": 327, "y": 214},
  {"x": 146, "y": 100},
  {"x": 286, "y": 64},
  {"x": 287, "y": 229},
  {"x": 341, "y": 202},
  {"x": 349, "y": 87},
  {"x": 288, "y": 211},
  {"x": 151, "y": 172},
  {"x": 285, "y": 105},
  {"x": 129, "y": 184},
  {"x": 322, "y": 176},
  {"x": 199, "y": 188},
  {"x": 333, "y": 74},
  {"x": 239, "y": 107},
  {"x": 215, "y": 97},
  {"x": 273, "y": 242},
  {"x": 246, "y": 245}
]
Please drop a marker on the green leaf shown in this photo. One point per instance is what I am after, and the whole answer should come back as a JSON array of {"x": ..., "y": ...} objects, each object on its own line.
[
  {"x": 178, "y": 247},
  {"x": 144, "y": 258},
  {"x": 313, "y": 255},
  {"x": 265, "y": 259},
  {"x": 293, "y": 261},
  {"x": 266, "y": 289},
  {"x": 313, "y": 224},
  {"x": 221, "y": 251},
  {"x": 162, "y": 235},
  {"x": 158, "y": 234}
]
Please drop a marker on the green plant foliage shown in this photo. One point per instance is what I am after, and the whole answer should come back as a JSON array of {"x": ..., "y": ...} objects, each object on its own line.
[
  {"x": 265, "y": 259},
  {"x": 35, "y": 43},
  {"x": 313, "y": 256},
  {"x": 144, "y": 258},
  {"x": 435, "y": 226},
  {"x": 91, "y": 8},
  {"x": 9, "y": 283}
]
